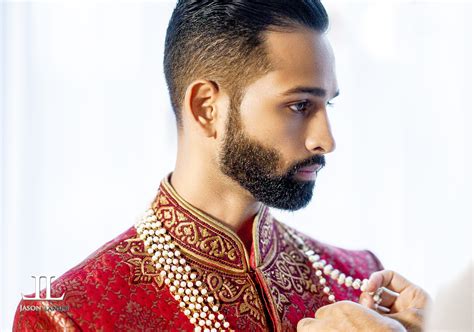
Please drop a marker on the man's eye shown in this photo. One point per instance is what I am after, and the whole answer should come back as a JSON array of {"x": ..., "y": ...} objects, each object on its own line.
[
  {"x": 330, "y": 103},
  {"x": 300, "y": 107}
]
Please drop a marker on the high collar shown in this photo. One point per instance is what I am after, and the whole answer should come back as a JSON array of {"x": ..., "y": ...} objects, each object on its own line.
[{"x": 201, "y": 236}]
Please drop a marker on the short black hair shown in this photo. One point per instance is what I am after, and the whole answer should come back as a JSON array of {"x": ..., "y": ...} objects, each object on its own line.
[{"x": 222, "y": 40}]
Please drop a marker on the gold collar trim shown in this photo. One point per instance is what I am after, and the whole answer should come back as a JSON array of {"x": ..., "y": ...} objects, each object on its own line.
[{"x": 208, "y": 223}]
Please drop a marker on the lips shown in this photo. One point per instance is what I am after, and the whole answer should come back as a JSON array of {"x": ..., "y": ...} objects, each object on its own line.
[
  {"x": 308, "y": 173},
  {"x": 310, "y": 169}
]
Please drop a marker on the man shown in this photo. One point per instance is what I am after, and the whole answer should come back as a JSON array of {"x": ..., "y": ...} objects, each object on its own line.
[{"x": 250, "y": 83}]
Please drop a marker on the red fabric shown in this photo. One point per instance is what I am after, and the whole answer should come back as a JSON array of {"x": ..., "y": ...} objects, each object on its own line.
[
  {"x": 290, "y": 282},
  {"x": 117, "y": 288},
  {"x": 110, "y": 291}
]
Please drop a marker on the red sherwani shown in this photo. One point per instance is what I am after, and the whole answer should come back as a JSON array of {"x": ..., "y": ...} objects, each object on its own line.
[{"x": 118, "y": 288}]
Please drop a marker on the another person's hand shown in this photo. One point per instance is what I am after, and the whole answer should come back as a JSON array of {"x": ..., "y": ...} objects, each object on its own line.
[
  {"x": 408, "y": 308},
  {"x": 346, "y": 316}
]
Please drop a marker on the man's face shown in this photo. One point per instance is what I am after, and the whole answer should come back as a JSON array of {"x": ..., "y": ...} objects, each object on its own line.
[{"x": 276, "y": 138}]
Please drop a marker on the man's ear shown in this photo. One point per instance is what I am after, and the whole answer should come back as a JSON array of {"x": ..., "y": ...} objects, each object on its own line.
[{"x": 200, "y": 105}]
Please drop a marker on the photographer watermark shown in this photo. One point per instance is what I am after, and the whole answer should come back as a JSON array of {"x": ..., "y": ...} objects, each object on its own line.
[{"x": 48, "y": 297}]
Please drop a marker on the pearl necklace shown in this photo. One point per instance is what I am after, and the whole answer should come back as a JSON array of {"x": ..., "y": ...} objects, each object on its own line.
[
  {"x": 197, "y": 304},
  {"x": 199, "y": 307},
  {"x": 322, "y": 268}
]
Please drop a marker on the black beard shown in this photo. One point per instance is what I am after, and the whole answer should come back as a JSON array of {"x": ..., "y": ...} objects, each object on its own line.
[{"x": 255, "y": 168}]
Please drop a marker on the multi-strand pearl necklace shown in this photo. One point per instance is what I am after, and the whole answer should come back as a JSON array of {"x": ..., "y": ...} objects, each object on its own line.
[
  {"x": 323, "y": 269},
  {"x": 200, "y": 307},
  {"x": 192, "y": 295}
]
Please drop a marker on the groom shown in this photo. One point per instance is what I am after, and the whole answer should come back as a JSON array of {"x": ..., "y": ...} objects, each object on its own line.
[{"x": 251, "y": 83}]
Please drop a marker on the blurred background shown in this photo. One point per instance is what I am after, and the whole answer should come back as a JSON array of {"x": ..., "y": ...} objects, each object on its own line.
[{"x": 87, "y": 133}]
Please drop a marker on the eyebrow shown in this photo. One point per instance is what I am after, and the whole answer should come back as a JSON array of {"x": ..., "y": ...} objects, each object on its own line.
[{"x": 318, "y": 92}]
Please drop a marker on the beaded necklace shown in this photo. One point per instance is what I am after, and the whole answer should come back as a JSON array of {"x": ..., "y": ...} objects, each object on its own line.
[
  {"x": 194, "y": 299},
  {"x": 201, "y": 308},
  {"x": 323, "y": 269}
]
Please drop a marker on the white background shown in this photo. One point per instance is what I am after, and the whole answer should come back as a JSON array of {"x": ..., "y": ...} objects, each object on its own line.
[{"x": 87, "y": 133}]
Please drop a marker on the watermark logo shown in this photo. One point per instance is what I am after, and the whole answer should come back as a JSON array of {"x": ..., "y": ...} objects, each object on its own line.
[
  {"x": 38, "y": 288},
  {"x": 44, "y": 306}
]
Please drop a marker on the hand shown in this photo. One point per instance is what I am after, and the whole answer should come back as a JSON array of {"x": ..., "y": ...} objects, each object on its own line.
[
  {"x": 346, "y": 316},
  {"x": 408, "y": 308}
]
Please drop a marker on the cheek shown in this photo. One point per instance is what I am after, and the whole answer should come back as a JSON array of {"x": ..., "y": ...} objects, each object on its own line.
[
  {"x": 278, "y": 129},
  {"x": 264, "y": 121}
]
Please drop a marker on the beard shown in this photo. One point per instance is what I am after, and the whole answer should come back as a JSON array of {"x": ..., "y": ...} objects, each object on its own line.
[{"x": 255, "y": 168}]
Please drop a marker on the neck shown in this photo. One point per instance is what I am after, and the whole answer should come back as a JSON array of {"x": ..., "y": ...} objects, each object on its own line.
[{"x": 218, "y": 196}]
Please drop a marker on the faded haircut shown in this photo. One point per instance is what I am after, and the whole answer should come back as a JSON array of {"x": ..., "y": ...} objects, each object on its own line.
[{"x": 223, "y": 41}]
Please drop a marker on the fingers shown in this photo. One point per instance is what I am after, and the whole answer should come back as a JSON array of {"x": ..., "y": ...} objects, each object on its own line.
[
  {"x": 383, "y": 289},
  {"x": 382, "y": 306},
  {"x": 376, "y": 280},
  {"x": 307, "y": 325},
  {"x": 366, "y": 300},
  {"x": 388, "y": 279},
  {"x": 341, "y": 306},
  {"x": 390, "y": 290},
  {"x": 321, "y": 312},
  {"x": 330, "y": 310}
]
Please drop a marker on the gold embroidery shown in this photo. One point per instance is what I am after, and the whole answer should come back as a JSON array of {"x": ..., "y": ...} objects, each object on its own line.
[
  {"x": 205, "y": 232},
  {"x": 252, "y": 305},
  {"x": 142, "y": 267},
  {"x": 198, "y": 235},
  {"x": 180, "y": 216},
  {"x": 231, "y": 290},
  {"x": 266, "y": 234},
  {"x": 187, "y": 232},
  {"x": 280, "y": 299},
  {"x": 215, "y": 246},
  {"x": 74, "y": 291},
  {"x": 166, "y": 216},
  {"x": 285, "y": 271},
  {"x": 233, "y": 250},
  {"x": 264, "y": 239},
  {"x": 292, "y": 272},
  {"x": 133, "y": 245},
  {"x": 163, "y": 200},
  {"x": 213, "y": 251}
]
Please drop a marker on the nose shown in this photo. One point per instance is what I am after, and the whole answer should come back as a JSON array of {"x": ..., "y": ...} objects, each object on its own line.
[{"x": 319, "y": 138}]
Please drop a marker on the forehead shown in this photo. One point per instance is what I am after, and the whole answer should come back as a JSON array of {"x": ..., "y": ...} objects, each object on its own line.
[{"x": 301, "y": 57}]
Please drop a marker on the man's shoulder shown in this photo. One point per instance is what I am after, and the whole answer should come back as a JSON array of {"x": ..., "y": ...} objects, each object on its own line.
[
  {"x": 100, "y": 263},
  {"x": 357, "y": 260},
  {"x": 101, "y": 280}
]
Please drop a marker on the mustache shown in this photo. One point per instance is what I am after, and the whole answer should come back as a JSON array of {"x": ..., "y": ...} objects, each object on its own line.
[{"x": 316, "y": 159}]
